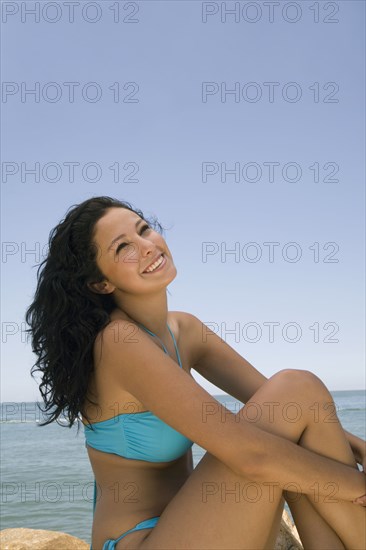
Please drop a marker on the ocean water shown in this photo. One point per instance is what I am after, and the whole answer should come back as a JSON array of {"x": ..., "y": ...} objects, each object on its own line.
[{"x": 46, "y": 477}]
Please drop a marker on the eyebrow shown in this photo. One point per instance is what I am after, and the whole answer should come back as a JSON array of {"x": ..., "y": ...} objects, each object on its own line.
[{"x": 140, "y": 220}]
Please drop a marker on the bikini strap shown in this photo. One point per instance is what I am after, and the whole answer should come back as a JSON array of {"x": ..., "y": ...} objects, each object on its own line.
[
  {"x": 176, "y": 347},
  {"x": 166, "y": 351}
]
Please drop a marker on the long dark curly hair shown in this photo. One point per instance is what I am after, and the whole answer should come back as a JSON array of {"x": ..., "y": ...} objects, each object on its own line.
[{"x": 65, "y": 315}]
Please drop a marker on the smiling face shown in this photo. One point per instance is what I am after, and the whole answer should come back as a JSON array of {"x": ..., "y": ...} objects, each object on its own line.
[{"x": 127, "y": 246}]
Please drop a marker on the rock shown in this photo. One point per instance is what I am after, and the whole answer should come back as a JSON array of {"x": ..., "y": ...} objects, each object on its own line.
[
  {"x": 288, "y": 537},
  {"x": 39, "y": 539}
]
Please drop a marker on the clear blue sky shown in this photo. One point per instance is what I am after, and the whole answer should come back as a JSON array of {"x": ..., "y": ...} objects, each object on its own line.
[{"x": 174, "y": 134}]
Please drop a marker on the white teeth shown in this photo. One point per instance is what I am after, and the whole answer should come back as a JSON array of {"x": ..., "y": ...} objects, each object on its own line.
[{"x": 154, "y": 265}]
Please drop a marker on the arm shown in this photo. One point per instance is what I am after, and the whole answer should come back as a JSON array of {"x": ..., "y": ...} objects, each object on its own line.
[
  {"x": 219, "y": 363},
  {"x": 144, "y": 370}
]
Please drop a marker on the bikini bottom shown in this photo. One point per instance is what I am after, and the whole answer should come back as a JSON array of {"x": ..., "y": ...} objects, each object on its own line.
[{"x": 110, "y": 544}]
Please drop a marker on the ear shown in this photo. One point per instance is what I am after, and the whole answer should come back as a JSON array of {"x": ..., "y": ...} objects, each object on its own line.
[{"x": 103, "y": 287}]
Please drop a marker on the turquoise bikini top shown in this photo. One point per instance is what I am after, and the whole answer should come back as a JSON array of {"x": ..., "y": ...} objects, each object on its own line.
[{"x": 139, "y": 436}]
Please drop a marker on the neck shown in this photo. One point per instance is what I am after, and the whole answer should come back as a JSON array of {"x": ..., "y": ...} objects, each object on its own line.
[{"x": 149, "y": 310}]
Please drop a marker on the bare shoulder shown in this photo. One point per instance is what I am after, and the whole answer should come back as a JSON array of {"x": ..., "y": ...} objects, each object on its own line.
[
  {"x": 181, "y": 322},
  {"x": 191, "y": 331},
  {"x": 187, "y": 328},
  {"x": 183, "y": 319}
]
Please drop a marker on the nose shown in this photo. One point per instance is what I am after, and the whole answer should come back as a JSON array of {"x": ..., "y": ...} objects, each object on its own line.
[{"x": 146, "y": 246}]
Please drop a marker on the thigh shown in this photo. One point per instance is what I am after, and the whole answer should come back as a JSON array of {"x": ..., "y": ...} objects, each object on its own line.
[{"x": 217, "y": 509}]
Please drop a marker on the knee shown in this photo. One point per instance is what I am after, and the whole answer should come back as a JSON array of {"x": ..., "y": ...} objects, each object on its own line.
[
  {"x": 296, "y": 375},
  {"x": 302, "y": 378}
]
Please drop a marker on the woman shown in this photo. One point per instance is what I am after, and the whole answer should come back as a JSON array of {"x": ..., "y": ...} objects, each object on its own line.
[{"x": 112, "y": 354}]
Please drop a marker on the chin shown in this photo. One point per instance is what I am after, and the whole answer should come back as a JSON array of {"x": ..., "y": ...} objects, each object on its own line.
[{"x": 171, "y": 276}]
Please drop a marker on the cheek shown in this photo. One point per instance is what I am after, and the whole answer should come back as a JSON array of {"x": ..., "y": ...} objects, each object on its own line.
[
  {"x": 160, "y": 241},
  {"x": 127, "y": 258}
]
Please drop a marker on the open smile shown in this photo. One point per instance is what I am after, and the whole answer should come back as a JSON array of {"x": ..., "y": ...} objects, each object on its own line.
[{"x": 156, "y": 266}]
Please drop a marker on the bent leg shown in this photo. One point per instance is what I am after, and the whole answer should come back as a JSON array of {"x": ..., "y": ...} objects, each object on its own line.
[
  {"x": 218, "y": 509},
  {"x": 322, "y": 522}
]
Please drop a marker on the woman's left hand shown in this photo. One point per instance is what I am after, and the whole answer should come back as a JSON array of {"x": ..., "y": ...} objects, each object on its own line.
[
  {"x": 363, "y": 459},
  {"x": 360, "y": 454},
  {"x": 358, "y": 447}
]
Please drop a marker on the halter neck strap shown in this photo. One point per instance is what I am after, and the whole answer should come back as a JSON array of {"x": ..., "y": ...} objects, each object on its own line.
[{"x": 165, "y": 350}]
